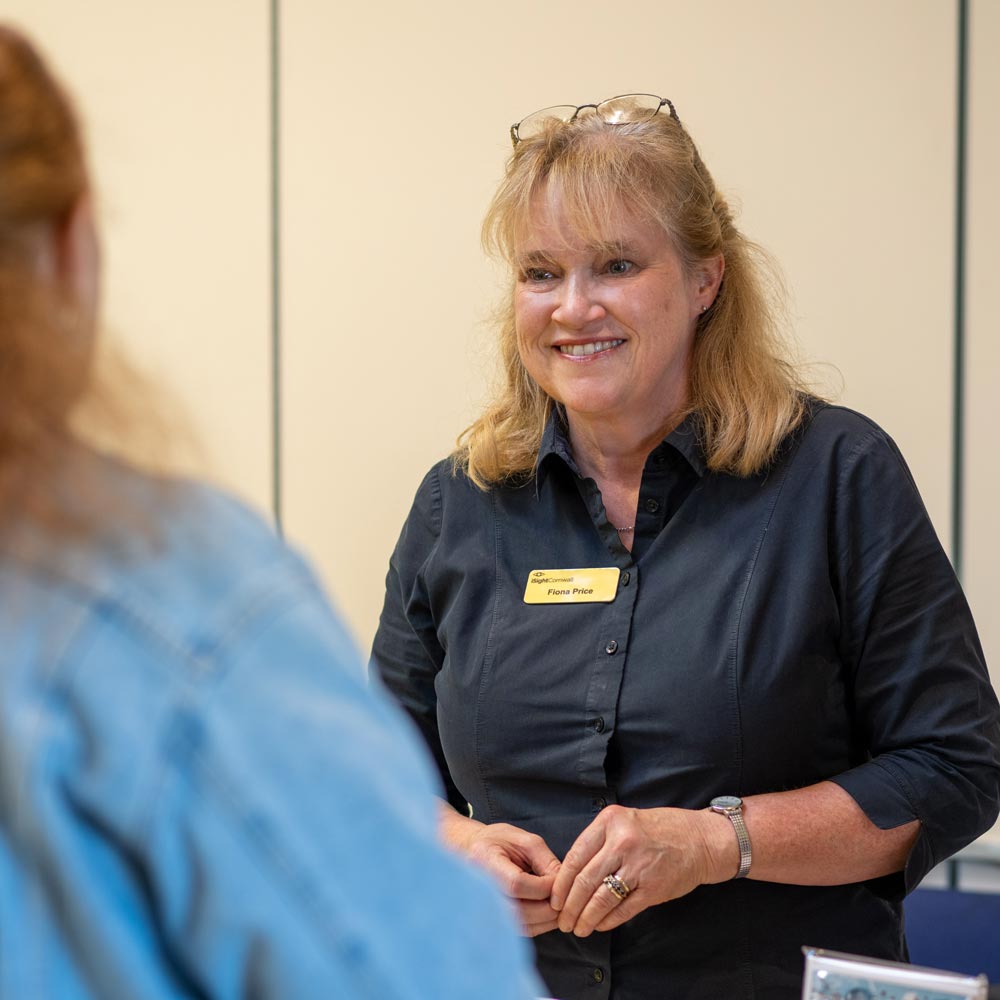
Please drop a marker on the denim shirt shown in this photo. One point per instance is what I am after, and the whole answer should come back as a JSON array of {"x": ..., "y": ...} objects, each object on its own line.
[{"x": 201, "y": 797}]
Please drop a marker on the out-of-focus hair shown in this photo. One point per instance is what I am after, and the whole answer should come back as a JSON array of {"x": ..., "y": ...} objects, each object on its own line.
[
  {"x": 50, "y": 382},
  {"x": 743, "y": 386}
]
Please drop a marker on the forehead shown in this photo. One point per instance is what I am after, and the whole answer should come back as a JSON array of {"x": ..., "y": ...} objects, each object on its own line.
[{"x": 553, "y": 221}]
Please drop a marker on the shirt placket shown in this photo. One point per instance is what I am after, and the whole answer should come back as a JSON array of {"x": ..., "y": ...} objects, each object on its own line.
[{"x": 607, "y": 663}]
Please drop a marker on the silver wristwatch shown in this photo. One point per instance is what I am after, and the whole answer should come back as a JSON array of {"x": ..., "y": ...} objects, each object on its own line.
[{"x": 732, "y": 806}]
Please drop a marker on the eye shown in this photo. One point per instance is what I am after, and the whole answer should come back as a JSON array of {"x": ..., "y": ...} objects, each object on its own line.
[
  {"x": 536, "y": 274},
  {"x": 619, "y": 266}
]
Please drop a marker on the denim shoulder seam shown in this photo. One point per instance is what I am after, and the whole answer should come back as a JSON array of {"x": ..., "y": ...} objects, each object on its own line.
[{"x": 255, "y": 604}]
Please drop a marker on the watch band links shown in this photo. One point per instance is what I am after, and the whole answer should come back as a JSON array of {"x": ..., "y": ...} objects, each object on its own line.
[
  {"x": 743, "y": 839},
  {"x": 732, "y": 806}
]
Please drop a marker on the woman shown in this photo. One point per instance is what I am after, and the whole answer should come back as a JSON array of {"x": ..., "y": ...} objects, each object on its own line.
[
  {"x": 191, "y": 791},
  {"x": 695, "y": 668}
]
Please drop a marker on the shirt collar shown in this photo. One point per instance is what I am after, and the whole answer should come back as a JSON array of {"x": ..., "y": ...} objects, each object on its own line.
[{"x": 684, "y": 439}]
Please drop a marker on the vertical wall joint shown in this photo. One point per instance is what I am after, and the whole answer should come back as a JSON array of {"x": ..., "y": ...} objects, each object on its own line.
[
  {"x": 275, "y": 224},
  {"x": 958, "y": 393}
]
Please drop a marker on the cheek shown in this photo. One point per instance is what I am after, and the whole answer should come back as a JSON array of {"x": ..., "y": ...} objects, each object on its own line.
[
  {"x": 527, "y": 348},
  {"x": 529, "y": 320},
  {"x": 518, "y": 325},
  {"x": 527, "y": 331}
]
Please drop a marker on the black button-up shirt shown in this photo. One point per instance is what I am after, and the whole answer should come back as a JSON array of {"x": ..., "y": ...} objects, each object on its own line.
[{"x": 767, "y": 633}]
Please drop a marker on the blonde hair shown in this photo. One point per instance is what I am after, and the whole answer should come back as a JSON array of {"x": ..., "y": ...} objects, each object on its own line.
[
  {"x": 746, "y": 393},
  {"x": 50, "y": 382}
]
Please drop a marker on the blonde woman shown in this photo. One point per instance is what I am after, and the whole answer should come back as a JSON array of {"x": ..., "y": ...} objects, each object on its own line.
[{"x": 669, "y": 624}]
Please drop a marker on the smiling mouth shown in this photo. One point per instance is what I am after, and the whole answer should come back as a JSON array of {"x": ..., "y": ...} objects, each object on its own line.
[{"x": 583, "y": 350}]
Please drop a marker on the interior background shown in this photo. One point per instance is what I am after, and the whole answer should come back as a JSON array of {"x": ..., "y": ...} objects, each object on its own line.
[{"x": 291, "y": 194}]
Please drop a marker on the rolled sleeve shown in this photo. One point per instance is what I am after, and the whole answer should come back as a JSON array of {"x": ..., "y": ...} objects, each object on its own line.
[{"x": 927, "y": 724}]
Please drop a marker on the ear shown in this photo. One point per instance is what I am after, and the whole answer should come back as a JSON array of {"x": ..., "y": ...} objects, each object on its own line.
[
  {"x": 708, "y": 278},
  {"x": 77, "y": 255}
]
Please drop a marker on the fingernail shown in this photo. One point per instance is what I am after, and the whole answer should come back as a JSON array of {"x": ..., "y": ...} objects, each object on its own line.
[{"x": 556, "y": 904}]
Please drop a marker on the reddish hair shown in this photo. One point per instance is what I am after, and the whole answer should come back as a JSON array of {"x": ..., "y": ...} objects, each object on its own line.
[
  {"x": 43, "y": 367},
  {"x": 50, "y": 386}
]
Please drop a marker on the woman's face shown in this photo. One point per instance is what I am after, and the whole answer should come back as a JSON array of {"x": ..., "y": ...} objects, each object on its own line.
[{"x": 607, "y": 329}]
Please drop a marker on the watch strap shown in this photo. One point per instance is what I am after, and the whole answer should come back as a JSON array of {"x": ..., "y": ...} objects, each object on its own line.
[
  {"x": 743, "y": 839},
  {"x": 731, "y": 806}
]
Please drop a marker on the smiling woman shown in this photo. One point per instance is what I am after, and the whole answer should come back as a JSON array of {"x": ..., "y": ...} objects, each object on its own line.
[
  {"x": 704, "y": 741},
  {"x": 607, "y": 328},
  {"x": 592, "y": 186}
]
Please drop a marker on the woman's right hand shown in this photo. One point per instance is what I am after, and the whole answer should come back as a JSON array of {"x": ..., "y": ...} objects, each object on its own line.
[{"x": 519, "y": 861}]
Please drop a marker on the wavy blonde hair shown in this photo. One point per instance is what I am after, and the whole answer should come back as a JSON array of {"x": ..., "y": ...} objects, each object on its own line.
[{"x": 746, "y": 392}]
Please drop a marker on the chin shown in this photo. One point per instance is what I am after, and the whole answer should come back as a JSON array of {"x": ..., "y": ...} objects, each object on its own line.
[{"x": 591, "y": 408}]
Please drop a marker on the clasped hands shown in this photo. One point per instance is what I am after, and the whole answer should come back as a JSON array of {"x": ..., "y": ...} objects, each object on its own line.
[{"x": 659, "y": 854}]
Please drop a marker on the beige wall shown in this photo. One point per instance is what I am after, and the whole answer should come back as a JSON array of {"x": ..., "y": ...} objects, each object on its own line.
[
  {"x": 175, "y": 101},
  {"x": 982, "y": 413},
  {"x": 832, "y": 124}
]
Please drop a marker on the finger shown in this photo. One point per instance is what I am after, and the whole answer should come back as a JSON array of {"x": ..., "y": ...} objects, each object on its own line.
[
  {"x": 527, "y": 850},
  {"x": 549, "y": 868},
  {"x": 588, "y": 885},
  {"x": 517, "y": 883},
  {"x": 579, "y": 855},
  {"x": 537, "y": 929},
  {"x": 538, "y": 854},
  {"x": 601, "y": 906},
  {"x": 522, "y": 885},
  {"x": 534, "y": 914},
  {"x": 623, "y": 913},
  {"x": 532, "y": 911}
]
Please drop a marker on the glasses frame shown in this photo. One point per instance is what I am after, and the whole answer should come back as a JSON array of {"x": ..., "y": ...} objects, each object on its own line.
[{"x": 515, "y": 137}]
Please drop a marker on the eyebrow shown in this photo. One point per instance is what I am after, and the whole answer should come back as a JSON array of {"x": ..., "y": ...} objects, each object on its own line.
[
  {"x": 609, "y": 248},
  {"x": 616, "y": 248},
  {"x": 532, "y": 257}
]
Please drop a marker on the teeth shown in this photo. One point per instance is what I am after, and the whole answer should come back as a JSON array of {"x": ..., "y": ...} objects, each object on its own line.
[{"x": 582, "y": 350}]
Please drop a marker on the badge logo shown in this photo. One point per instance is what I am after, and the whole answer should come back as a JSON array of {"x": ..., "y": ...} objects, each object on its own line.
[{"x": 595, "y": 585}]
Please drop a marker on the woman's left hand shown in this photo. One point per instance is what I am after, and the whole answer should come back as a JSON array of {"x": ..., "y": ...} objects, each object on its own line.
[{"x": 659, "y": 854}]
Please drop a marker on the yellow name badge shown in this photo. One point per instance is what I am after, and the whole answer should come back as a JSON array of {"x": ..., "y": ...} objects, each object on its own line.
[{"x": 572, "y": 586}]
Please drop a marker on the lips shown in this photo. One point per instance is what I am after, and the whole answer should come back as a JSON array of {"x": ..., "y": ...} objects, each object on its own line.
[{"x": 584, "y": 350}]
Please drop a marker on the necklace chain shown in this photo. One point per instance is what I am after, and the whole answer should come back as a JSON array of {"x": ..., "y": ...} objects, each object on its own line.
[{"x": 624, "y": 531}]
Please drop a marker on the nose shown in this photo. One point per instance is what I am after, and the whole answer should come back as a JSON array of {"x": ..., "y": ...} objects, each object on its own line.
[{"x": 578, "y": 304}]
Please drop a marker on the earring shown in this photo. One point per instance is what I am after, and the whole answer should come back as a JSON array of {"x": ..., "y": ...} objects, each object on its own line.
[{"x": 704, "y": 309}]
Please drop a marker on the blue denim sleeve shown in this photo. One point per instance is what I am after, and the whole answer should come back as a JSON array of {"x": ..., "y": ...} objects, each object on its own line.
[
  {"x": 924, "y": 708},
  {"x": 285, "y": 825}
]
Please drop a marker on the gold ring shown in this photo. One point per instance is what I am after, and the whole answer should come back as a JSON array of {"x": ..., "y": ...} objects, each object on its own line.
[{"x": 617, "y": 885}]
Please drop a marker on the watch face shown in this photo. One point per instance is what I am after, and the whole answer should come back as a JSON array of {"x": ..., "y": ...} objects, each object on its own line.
[{"x": 726, "y": 802}]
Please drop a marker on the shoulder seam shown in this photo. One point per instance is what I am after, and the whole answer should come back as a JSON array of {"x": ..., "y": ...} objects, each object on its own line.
[
  {"x": 437, "y": 502},
  {"x": 258, "y": 603}
]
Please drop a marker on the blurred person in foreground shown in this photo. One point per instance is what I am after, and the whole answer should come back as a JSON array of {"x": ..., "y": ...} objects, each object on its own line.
[
  {"x": 199, "y": 796},
  {"x": 697, "y": 673}
]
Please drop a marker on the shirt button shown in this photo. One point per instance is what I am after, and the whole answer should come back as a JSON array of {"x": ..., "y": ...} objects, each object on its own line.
[
  {"x": 611, "y": 648},
  {"x": 626, "y": 576},
  {"x": 599, "y": 803},
  {"x": 652, "y": 506},
  {"x": 598, "y": 975},
  {"x": 598, "y": 725}
]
